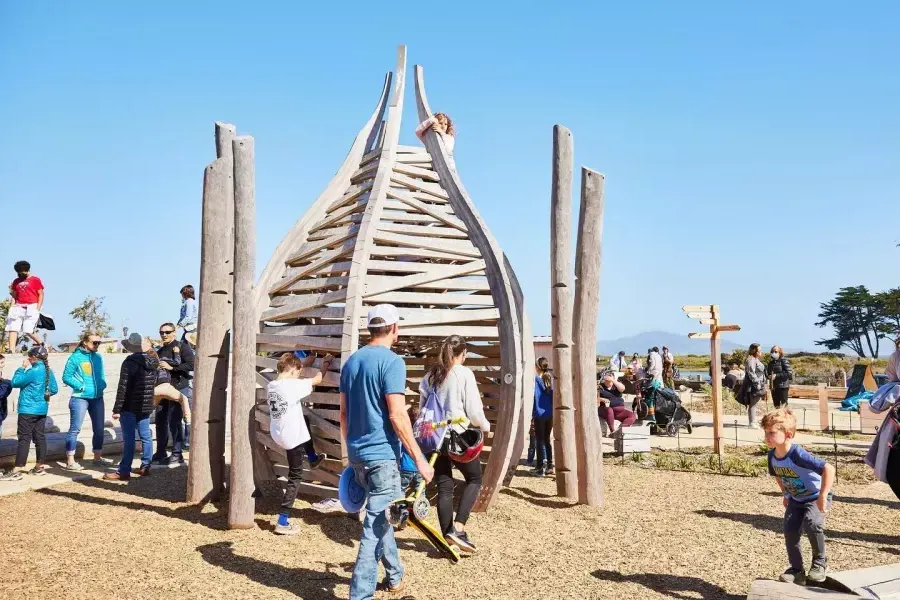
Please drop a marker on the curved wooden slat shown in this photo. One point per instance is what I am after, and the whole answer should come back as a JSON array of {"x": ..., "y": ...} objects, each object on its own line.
[
  {"x": 338, "y": 184},
  {"x": 510, "y": 326}
]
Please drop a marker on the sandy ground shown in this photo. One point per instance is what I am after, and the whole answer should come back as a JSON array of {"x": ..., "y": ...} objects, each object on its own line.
[{"x": 662, "y": 534}]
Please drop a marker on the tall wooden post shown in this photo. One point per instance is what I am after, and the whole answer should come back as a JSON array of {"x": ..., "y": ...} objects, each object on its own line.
[
  {"x": 561, "y": 313},
  {"x": 241, "y": 507},
  {"x": 715, "y": 381},
  {"x": 206, "y": 471},
  {"x": 587, "y": 298},
  {"x": 709, "y": 315}
]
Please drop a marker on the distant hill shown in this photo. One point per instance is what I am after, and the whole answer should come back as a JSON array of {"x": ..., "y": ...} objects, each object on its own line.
[{"x": 678, "y": 343}]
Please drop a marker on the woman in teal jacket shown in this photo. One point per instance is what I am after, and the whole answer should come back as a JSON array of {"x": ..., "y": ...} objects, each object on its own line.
[
  {"x": 37, "y": 383},
  {"x": 84, "y": 374}
]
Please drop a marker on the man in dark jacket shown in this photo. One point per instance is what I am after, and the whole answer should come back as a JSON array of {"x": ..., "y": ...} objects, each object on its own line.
[
  {"x": 176, "y": 357},
  {"x": 134, "y": 403}
]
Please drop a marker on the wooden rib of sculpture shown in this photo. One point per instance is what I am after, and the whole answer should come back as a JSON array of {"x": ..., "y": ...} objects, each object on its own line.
[{"x": 395, "y": 225}]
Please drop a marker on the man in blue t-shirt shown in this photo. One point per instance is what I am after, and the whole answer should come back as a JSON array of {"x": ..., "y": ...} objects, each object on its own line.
[{"x": 374, "y": 423}]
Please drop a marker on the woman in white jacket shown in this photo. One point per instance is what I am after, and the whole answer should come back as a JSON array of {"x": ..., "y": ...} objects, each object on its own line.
[{"x": 458, "y": 395}]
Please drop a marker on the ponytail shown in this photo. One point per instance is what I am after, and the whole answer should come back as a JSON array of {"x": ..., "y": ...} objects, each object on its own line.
[
  {"x": 544, "y": 367},
  {"x": 451, "y": 348},
  {"x": 46, "y": 378}
]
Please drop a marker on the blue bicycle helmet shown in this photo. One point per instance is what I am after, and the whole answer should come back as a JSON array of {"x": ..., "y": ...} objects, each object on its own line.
[{"x": 350, "y": 493}]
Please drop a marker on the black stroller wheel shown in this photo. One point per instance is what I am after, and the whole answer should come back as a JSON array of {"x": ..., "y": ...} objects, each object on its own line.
[
  {"x": 672, "y": 429},
  {"x": 690, "y": 428}
]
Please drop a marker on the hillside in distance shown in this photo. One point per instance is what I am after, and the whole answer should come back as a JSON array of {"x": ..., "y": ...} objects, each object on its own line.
[{"x": 678, "y": 343}]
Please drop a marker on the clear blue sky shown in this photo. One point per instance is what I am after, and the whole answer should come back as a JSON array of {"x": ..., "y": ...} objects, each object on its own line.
[{"x": 751, "y": 149}]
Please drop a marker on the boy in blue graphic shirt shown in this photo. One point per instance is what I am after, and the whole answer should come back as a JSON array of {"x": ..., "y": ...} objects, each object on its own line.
[{"x": 805, "y": 481}]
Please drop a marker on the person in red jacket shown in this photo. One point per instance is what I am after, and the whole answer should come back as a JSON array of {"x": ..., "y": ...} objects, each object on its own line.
[{"x": 27, "y": 293}]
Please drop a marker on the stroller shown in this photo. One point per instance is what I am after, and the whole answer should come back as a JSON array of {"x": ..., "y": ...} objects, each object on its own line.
[{"x": 669, "y": 413}]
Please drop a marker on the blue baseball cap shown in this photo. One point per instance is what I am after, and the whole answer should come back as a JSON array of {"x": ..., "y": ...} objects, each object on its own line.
[{"x": 301, "y": 354}]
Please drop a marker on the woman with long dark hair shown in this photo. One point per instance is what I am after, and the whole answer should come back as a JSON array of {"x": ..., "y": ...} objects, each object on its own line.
[
  {"x": 755, "y": 383},
  {"x": 542, "y": 417},
  {"x": 457, "y": 391}
]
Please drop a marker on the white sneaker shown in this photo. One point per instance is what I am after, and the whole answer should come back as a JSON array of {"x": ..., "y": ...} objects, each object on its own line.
[
  {"x": 753, "y": 426},
  {"x": 328, "y": 505}
]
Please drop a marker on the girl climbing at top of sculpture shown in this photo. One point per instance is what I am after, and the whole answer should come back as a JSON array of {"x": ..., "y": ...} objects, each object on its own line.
[{"x": 442, "y": 125}]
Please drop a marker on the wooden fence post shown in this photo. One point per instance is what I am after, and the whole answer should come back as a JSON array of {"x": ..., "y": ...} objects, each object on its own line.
[
  {"x": 241, "y": 507},
  {"x": 823, "y": 407},
  {"x": 561, "y": 313},
  {"x": 587, "y": 297},
  {"x": 206, "y": 470}
]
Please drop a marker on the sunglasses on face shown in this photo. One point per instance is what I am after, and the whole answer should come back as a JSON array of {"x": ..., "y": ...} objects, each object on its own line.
[
  {"x": 166, "y": 332},
  {"x": 94, "y": 342}
]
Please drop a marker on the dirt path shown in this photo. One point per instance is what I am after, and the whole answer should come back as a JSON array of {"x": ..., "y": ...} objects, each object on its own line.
[{"x": 683, "y": 534}]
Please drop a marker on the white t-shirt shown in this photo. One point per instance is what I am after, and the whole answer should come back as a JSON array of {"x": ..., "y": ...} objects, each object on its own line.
[{"x": 287, "y": 426}]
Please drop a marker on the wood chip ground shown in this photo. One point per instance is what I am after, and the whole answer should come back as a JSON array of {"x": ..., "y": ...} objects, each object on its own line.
[{"x": 662, "y": 535}]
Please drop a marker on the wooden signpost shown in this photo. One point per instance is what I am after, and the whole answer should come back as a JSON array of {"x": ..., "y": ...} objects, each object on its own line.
[{"x": 709, "y": 315}]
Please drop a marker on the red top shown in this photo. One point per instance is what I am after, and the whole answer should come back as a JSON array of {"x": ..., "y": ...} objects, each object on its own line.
[{"x": 25, "y": 289}]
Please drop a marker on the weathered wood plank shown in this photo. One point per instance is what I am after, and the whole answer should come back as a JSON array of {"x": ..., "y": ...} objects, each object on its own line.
[
  {"x": 442, "y": 331},
  {"x": 336, "y": 217},
  {"x": 479, "y": 285},
  {"x": 561, "y": 313},
  {"x": 584, "y": 320},
  {"x": 372, "y": 215},
  {"x": 326, "y": 233},
  {"x": 416, "y": 171},
  {"x": 431, "y": 189},
  {"x": 424, "y": 230},
  {"x": 365, "y": 172},
  {"x": 353, "y": 193},
  {"x": 402, "y": 149},
  {"x": 286, "y": 307},
  {"x": 298, "y": 342},
  {"x": 461, "y": 247},
  {"x": 293, "y": 274},
  {"x": 429, "y": 209},
  {"x": 418, "y": 253},
  {"x": 448, "y": 299},
  {"x": 241, "y": 504},
  {"x": 312, "y": 248},
  {"x": 206, "y": 473},
  {"x": 407, "y": 216},
  {"x": 422, "y": 159},
  {"x": 334, "y": 329},
  {"x": 317, "y": 283},
  {"x": 396, "y": 283}
]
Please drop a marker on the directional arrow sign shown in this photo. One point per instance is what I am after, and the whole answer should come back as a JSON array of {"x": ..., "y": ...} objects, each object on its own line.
[
  {"x": 700, "y": 315},
  {"x": 728, "y": 328},
  {"x": 695, "y": 307},
  {"x": 699, "y": 336},
  {"x": 707, "y": 321}
]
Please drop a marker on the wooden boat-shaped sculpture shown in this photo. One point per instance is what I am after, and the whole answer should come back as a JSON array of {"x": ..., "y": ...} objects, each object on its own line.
[{"x": 395, "y": 225}]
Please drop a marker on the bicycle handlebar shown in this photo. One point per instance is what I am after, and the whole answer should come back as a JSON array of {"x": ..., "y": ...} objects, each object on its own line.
[{"x": 455, "y": 421}]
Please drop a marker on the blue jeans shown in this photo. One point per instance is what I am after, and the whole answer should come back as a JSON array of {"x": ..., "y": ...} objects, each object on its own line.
[
  {"x": 381, "y": 479},
  {"x": 78, "y": 407},
  {"x": 130, "y": 422}
]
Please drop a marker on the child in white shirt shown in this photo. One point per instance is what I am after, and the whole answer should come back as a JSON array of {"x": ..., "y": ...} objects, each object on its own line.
[{"x": 288, "y": 426}]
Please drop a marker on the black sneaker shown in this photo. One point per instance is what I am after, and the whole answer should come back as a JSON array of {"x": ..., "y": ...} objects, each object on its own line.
[
  {"x": 173, "y": 461},
  {"x": 538, "y": 471},
  {"x": 461, "y": 540},
  {"x": 794, "y": 576},
  {"x": 320, "y": 458},
  {"x": 160, "y": 460},
  {"x": 817, "y": 573}
]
